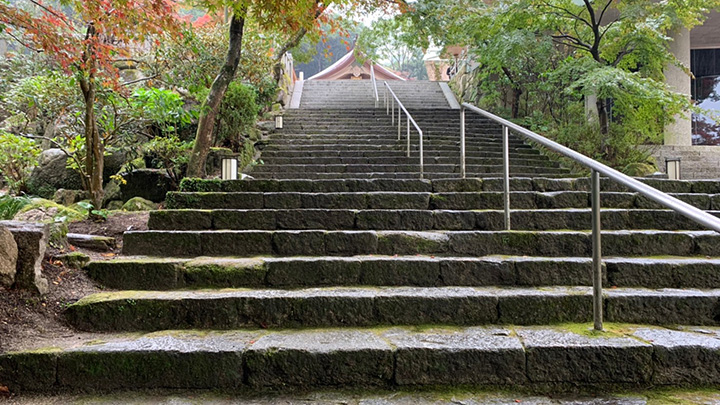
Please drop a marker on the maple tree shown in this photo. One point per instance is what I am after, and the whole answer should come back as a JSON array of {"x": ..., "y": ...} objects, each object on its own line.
[
  {"x": 86, "y": 38},
  {"x": 290, "y": 18}
]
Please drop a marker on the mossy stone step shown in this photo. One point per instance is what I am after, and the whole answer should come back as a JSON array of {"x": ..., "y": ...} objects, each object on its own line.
[
  {"x": 564, "y": 356},
  {"x": 142, "y": 273},
  {"x": 393, "y": 175},
  {"x": 371, "y": 306},
  {"x": 416, "y": 220},
  {"x": 422, "y": 200},
  {"x": 463, "y": 243}
]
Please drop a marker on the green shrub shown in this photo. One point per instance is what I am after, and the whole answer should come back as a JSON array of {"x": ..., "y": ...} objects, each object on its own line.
[
  {"x": 169, "y": 153},
  {"x": 18, "y": 156},
  {"x": 162, "y": 108},
  {"x": 9, "y": 205},
  {"x": 237, "y": 115}
]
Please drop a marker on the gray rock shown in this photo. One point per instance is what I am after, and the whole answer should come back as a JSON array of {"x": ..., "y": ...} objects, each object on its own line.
[
  {"x": 150, "y": 184},
  {"x": 139, "y": 204},
  {"x": 31, "y": 239},
  {"x": 91, "y": 242},
  {"x": 8, "y": 258},
  {"x": 68, "y": 197},
  {"x": 266, "y": 126},
  {"x": 111, "y": 192},
  {"x": 114, "y": 205}
]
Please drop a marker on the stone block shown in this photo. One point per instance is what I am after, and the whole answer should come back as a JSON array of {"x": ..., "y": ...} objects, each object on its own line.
[
  {"x": 647, "y": 243},
  {"x": 319, "y": 359},
  {"x": 311, "y": 272},
  {"x": 8, "y": 258},
  {"x": 28, "y": 371},
  {"x": 208, "y": 272},
  {"x": 472, "y": 356},
  {"x": 559, "y": 356},
  {"x": 522, "y": 243},
  {"x": 548, "y": 272},
  {"x": 351, "y": 243},
  {"x": 457, "y": 185},
  {"x": 31, "y": 239},
  {"x": 401, "y": 271},
  {"x": 298, "y": 243},
  {"x": 315, "y": 219},
  {"x": 545, "y": 306},
  {"x": 162, "y": 243},
  {"x": 562, "y": 199},
  {"x": 443, "y": 305},
  {"x": 137, "y": 274},
  {"x": 411, "y": 242},
  {"x": 454, "y": 220},
  {"x": 378, "y": 220},
  {"x": 350, "y": 201},
  {"x": 683, "y": 357},
  {"x": 180, "y": 220},
  {"x": 476, "y": 272},
  {"x": 707, "y": 243},
  {"x": 283, "y": 200},
  {"x": 391, "y": 200},
  {"x": 662, "y": 307},
  {"x": 236, "y": 243},
  {"x": 244, "y": 219}
]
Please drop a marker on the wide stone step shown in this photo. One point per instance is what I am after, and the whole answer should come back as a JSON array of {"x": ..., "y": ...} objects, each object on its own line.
[
  {"x": 475, "y": 143},
  {"x": 143, "y": 273},
  {"x": 396, "y": 175},
  {"x": 399, "y": 152},
  {"x": 371, "y": 306},
  {"x": 415, "y": 220},
  {"x": 463, "y": 243},
  {"x": 496, "y": 356},
  {"x": 444, "y": 185},
  {"x": 532, "y": 161},
  {"x": 486, "y": 200},
  {"x": 427, "y": 167}
]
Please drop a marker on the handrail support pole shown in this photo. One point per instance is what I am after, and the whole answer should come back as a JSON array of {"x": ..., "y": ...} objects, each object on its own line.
[
  {"x": 462, "y": 142},
  {"x": 596, "y": 253},
  {"x": 506, "y": 176}
]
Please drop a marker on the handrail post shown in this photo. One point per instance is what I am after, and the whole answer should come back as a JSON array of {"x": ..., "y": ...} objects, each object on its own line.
[
  {"x": 596, "y": 253},
  {"x": 422, "y": 168},
  {"x": 506, "y": 176},
  {"x": 462, "y": 142},
  {"x": 408, "y": 136},
  {"x": 392, "y": 110},
  {"x": 387, "y": 105},
  {"x": 399, "y": 121}
]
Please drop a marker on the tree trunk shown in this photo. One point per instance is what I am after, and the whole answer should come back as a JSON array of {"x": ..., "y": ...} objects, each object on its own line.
[
  {"x": 208, "y": 112},
  {"x": 291, "y": 43},
  {"x": 94, "y": 148},
  {"x": 516, "y": 94},
  {"x": 603, "y": 118}
]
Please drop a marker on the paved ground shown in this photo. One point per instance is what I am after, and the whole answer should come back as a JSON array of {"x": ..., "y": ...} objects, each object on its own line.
[{"x": 660, "y": 397}]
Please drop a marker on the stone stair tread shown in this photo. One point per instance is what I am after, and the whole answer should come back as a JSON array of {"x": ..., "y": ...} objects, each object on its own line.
[{"x": 385, "y": 357}]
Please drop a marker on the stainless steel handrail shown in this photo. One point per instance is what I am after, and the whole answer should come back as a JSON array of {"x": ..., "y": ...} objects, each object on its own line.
[
  {"x": 597, "y": 168},
  {"x": 391, "y": 101},
  {"x": 374, "y": 84}
]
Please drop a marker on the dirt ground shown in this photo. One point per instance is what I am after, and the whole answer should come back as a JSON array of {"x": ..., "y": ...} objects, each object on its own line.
[{"x": 29, "y": 320}]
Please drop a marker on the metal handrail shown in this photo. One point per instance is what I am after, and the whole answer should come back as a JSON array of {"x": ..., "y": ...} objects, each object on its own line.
[
  {"x": 390, "y": 103},
  {"x": 374, "y": 84},
  {"x": 597, "y": 168}
]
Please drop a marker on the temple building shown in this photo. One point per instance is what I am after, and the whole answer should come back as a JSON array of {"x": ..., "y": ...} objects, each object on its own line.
[{"x": 350, "y": 68}]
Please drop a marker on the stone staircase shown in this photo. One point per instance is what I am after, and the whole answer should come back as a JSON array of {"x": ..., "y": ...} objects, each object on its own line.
[
  {"x": 358, "y": 94},
  {"x": 338, "y": 267}
]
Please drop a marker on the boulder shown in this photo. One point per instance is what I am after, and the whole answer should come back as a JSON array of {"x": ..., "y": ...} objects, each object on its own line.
[
  {"x": 150, "y": 184},
  {"x": 266, "y": 126},
  {"x": 112, "y": 192},
  {"x": 74, "y": 260},
  {"x": 8, "y": 258},
  {"x": 114, "y": 205},
  {"x": 68, "y": 197},
  {"x": 52, "y": 173},
  {"x": 139, "y": 204},
  {"x": 31, "y": 239},
  {"x": 92, "y": 242}
]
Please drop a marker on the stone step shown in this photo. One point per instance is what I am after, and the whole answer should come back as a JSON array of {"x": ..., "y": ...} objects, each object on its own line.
[
  {"x": 380, "y": 306},
  {"x": 143, "y": 273},
  {"x": 569, "y": 355},
  {"x": 532, "y": 161},
  {"x": 415, "y": 220},
  {"x": 427, "y": 167},
  {"x": 389, "y": 141},
  {"x": 463, "y": 243},
  {"x": 397, "y": 146},
  {"x": 486, "y": 200},
  {"x": 394, "y": 175},
  {"x": 443, "y": 185},
  {"x": 399, "y": 152}
]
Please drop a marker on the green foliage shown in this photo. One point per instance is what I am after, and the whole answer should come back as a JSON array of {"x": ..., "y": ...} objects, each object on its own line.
[
  {"x": 170, "y": 153},
  {"x": 18, "y": 156},
  {"x": 9, "y": 205},
  {"x": 163, "y": 108},
  {"x": 237, "y": 115}
]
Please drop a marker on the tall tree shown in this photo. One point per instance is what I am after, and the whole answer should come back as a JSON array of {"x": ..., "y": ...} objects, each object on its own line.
[
  {"x": 291, "y": 17},
  {"x": 86, "y": 38}
]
